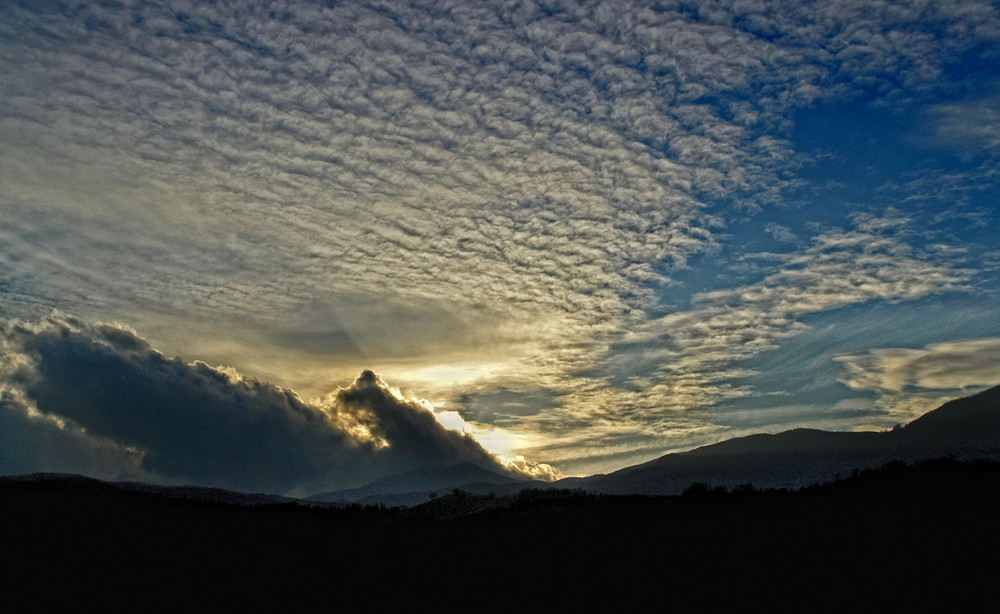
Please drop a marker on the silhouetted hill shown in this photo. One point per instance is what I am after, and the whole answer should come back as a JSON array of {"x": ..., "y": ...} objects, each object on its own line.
[
  {"x": 187, "y": 492},
  {"x": 901, "y": 537},
  {"x": 967, "y": 428},
  {"x": 417, "y": 486},
  {"x": 963, "y": 428}
]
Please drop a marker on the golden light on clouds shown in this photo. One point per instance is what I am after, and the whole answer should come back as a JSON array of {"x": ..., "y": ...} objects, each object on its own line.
[{"x": 581, "y": 236}]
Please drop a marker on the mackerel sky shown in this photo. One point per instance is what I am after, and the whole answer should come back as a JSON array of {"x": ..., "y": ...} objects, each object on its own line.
[{"x": 584, "y": 234}]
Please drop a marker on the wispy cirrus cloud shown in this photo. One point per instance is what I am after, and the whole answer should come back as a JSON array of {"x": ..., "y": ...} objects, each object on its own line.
[{"x": 970, "y": 124}]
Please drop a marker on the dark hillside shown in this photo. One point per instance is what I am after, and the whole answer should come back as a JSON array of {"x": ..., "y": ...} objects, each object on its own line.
[
  {"x": 899, "y": 536},
  {"x": 969, "y": 426},
  {"x": 966, "y": 428}
]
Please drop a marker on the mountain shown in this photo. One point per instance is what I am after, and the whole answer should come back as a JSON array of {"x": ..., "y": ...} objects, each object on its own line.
[
  {"x": 965, "y": 428},
  {"x": 414, "y": 487},
  {"x": 202, "y": 494}
]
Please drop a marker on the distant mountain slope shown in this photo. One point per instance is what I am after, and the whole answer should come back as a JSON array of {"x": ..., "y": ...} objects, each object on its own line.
[
  {"x": 416, "y": 486},
  {"x": 969, "y": 426},
  {"x": 73, "y": 482},
  {"x": 964, "y": 428}
]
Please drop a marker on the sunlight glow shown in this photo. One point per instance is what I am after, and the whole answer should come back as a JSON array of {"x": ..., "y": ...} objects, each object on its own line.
[
  {"x": 444, "y": 375},
  {"x": 453, "y": 421}
]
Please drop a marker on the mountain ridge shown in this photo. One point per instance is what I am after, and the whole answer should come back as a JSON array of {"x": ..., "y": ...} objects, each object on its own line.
[
  {"x": 417, "y": 485},
  {"x": 964, "y": 428}
]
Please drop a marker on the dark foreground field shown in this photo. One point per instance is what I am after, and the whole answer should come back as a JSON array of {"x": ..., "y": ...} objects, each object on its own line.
[{"x": 923, "y": 537}]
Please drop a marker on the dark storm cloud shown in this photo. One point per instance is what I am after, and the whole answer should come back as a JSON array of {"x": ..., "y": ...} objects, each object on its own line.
[
  {"x": 30, "y": 443},
  {"x": 407, "y": 430},
  {"x": 90, "y": 397}
]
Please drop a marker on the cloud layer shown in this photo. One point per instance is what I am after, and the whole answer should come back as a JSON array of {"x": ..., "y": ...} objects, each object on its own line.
[{"x": 572, "y": 223}]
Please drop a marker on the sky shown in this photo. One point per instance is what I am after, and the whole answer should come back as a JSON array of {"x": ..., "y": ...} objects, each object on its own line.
[{"x": 298, "y": 246}]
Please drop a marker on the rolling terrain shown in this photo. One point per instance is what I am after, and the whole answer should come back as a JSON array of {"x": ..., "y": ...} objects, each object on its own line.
[{"x": 900, "y": 536}]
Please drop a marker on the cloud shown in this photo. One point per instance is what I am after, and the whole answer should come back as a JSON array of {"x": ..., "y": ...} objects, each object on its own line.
[
  {"x": 32, "y": 442},
  {"x": 691, "y": 357},
  {"x": 408, "y": 152},
  {"x": 955, "y": 366},
  {"x": 972, "y": 125},
  {"x": 97, "y": 398},
  {"x": 493, "y": 406},
  {"x": 780, "y": 232},
  {"x": 908, "y": 382},
  {"x": 290, "y": 187},
  {"x": 403, "y": 153},
  {"x": 669, "y": 377}
]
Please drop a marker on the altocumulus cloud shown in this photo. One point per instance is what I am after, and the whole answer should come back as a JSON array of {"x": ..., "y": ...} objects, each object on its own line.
[{"x": 97, "y": 399}]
